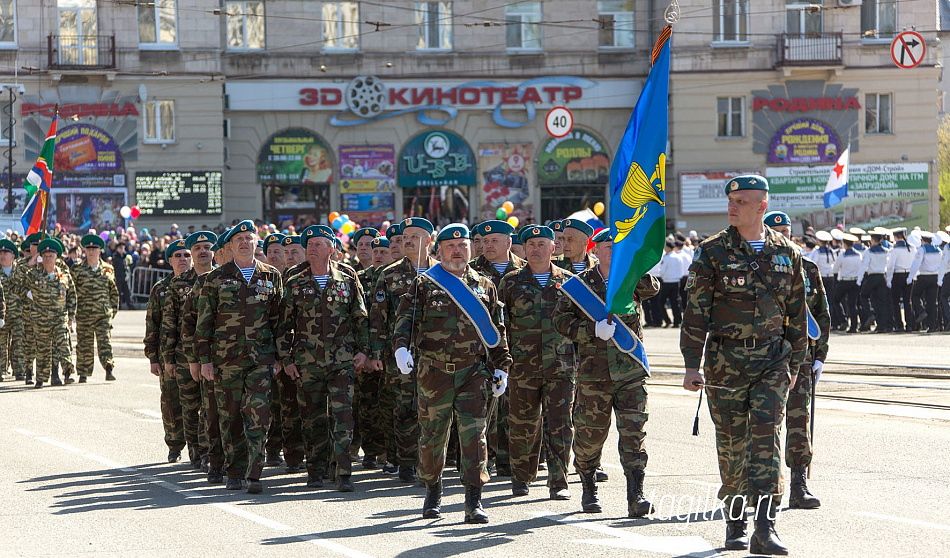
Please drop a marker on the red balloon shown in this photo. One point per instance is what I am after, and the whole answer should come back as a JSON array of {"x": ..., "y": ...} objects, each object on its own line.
[{"x": 136, "y": 212}]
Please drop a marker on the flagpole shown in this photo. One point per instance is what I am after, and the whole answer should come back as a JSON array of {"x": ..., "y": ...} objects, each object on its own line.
[{"x": 46, "y": 195}]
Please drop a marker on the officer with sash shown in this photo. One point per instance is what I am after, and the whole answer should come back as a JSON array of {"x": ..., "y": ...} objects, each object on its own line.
[
  {"x": 452, "y": 320},
  {"x": 541, "y": 385},
  {"x": 611, "y": 377},
  {"x": 575, "y": 238}
]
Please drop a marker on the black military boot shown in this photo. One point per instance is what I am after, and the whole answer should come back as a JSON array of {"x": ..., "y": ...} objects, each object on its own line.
[
  {"x": 344, "y": 483},
  {"x": 109, "y": 376},
  {"x": 54, "y": 377},
  {"x": 800, "y": 497},
  {"x": 272, "y": 459},
  {"x": 600, "y": 475},
  {"x": 764, "y": 538},
  {"x": 637, "y": 505},
  {"x": 589, "y": 501},
  {"x": 736, "y": 536},
  {"x": 407, "y": 473},
  {"x": 432, "y": 508},
  {"x": 474, "y": 513},
  {"x": 83, "y": 379}
]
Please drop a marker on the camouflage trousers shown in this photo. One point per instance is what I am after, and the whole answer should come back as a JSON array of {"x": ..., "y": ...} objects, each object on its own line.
[
  {"x": 189, "y": 397},
  {"x": 498, "y": 432},
  {"x": 244, "y": 415},
  {"x": 90, "y": 332},
  {"x": 596, "y": 400},
  {"x": 368, "y": 433},
  {"x": 798, "y": 446},
  {"x": 322, "y": 394},
  {"x": 748, "y": 420},
  {"x": 209, "y": 407},
  {"x": 52, "y": 345},
  {"x": 29, "y": 342},
  {"x": 285, "y": 428},
  {"x": 405, "y": 417},
  {"x": 442, "y": 393},
  {"x": 540, "y": 409},
  {"x": 11, "y": 347},
  {"x": 172, "y": 420}
]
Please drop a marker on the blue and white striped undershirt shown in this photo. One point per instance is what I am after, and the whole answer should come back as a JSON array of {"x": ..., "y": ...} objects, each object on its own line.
[
  {"x": 757, "y": 244},
  {"x": 500, "y": 267},
  {"x": 543, "y": 278},
  {"x": 579, "y": 267},
  {"x": 421, "y": 270},
  {"x": 321, "y": 280},
  {"x": 247, "y": 272}
]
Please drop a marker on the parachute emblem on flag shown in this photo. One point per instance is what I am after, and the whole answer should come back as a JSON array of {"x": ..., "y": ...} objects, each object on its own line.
[{"x": 638, "y": 191}]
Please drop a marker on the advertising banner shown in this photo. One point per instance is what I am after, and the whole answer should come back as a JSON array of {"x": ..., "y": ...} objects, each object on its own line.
[
  {"x": 85, "y": 148},
  {"x": 436, "y": 158},
  {"x": 577, "y": 158},
  {"x": 704, "y": 192},
  {"x": 804, "y": 141},
  {"x": 507, "y": 173},
  {"x": 78, "y": 211},
  {"x": 295, "y": 156},
  {"x": 367, "y": 183}
]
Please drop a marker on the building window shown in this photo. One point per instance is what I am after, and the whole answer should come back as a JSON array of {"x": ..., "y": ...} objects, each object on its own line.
[
  {"x": 245, "y": 25},
  {"x": 7, "y": 23},
  {"x": 435, "y": 25},
  {"x": 523, "y": 31},
  {"x": 877, "y": 113},
  {"x": 616, "y": 24},
  {"x": 159, "y": 121},
  {"x": 878, "y": 19},
  {"x": 730, "y": 21},
  {"x": 157, "y": 24},
  {"x": 78, "y": 32},
  {"x": 801, "y": 18},
  {"x": 731, "y": 113},
  {"x": 341, "y": 25}
]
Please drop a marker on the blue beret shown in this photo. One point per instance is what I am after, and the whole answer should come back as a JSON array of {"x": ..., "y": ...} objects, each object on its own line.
[
  {"x": 777, "y": 219},
  {"x": 380, "y": 242},
  {"x": 578, "y": 225},
  {"x": 221, "y": 240},
  {"x": 174, "y": 247},
  {"x": 393, "y": 230},
  {"x": 355, "y": 237},
  {"x": 747, "y": 182},
  {"x": 556, "y": 226},
  {"x": 515, "y": 239},
  {"x": 453, "y": 232},
  {"x": 312, "y": 231},
  {"x": 244, "y": 226},
  {"x": 536, "y": 231},
  {"x": 603, "y": 236},
  {"x": 418, "y": 222},
  {"x": 273, "y": 238},
  {"x": 260, "y": 243},
  {"x": 92, "y": 241},
  {"x": 7, "y": 245},
  {"x": 291, "y": 239},
  {"x": 337, "y": 243},
  {"x": 495, "y": 227},
  {"x": 200, "y": 236},
  {"x": 476, "y": 229}
]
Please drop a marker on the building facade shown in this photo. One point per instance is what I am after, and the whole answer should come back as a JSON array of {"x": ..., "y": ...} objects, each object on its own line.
[{"x": 204, "y": 112}]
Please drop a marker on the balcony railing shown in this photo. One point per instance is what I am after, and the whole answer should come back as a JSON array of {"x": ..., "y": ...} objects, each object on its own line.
[
  {"x": 80, "y": 52},
  {"x": 810, "y": 49}
]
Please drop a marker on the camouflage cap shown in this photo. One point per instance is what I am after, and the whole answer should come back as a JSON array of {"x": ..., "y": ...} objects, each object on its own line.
[
  {"x": 579, "y": 225},
  {"x": 777, "y": 219},
  {"x": 200, "y": 236},
  {"x": 419, "y": 222},
  {"x": 7, "y": 245},
  {"x": 380, "y": 242},
  {"x": 174, "y": 247},
  {"x": 495, "y": 227},
  {"x": 453, "y": 232},
  {"x": 536, "y": 231},
  {"x": 394, "y": 230},
  {"x": 321, "y": 231},
  {"x": 355, "y": 237},
  {"x": 273, "y": 238},
  {"x": 51, "y": 244},
  {"x": 747, "y": 182},
  {"x": 92, "y": 241}
]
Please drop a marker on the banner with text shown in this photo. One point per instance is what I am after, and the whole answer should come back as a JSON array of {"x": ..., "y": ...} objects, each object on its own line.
[
  {"x": 367, "y": 183},
  {"x": 506, "y": 174},
  {"x": 704, "y": 192}
]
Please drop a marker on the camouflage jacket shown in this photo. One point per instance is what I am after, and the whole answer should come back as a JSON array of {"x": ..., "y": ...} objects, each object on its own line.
[
  {"x": 485, "y": 267},
  {"x": 817, "y": 300},
  {"x": 727, "y": 299},
  {"x": 536, "y": 347},
  {"x": 599, "y": 359},
  {"x": 563, "y": 262},
  {"x": 153, "y": 320},
  {"x": 391, "y": 284},
  {"x": 54, "y": 295},
  {"x": 179, "y": 289},
  {"x": 367, "y": 279},
  {"x": 303, "y": 266},
  {"x": 18, "y": 281},
  {"x": 325, "y": 327},
  {"x": 441, "y": 330},
  {"x": 13, "y": 306},
  {"x": 96, "y": 289},
  {"x": 236, "y": 318},
  {"x": 189, "y": 317}
]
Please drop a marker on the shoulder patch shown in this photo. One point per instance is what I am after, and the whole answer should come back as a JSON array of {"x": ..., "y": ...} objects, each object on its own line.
[
  {"x": 380, "y": 296},
  {"x": 699, "y": 250},
  {"x": 691, "y": 279}
]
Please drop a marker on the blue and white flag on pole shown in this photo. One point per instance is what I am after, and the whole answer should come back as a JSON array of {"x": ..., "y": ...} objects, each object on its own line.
[{"x": 837, "y": 188}]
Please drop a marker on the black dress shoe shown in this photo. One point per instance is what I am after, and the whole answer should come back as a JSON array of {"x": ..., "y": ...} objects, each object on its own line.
[
  {"x": 234, "y": 484},
  {"x": 174, "y": 456}
]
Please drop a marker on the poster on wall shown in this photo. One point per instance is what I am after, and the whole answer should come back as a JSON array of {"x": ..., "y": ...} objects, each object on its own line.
[
  {"x": 295, "y": 156},
  {"x": 436, "y": 158},
  {"x": 86, "y": 148},
  {"x": 577, "y": 158},
  {"x": 367, "y": 183},
  {"x": 506, "y": 174},
  {"x": 804, "y": 141},
  {"x": 704, "y": 192},
  {"x": 879, "y": 195},
  {"x": 77, "y": 211}
]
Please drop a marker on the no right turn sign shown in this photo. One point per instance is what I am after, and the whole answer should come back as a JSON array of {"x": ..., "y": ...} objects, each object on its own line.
[{"x": 908, "y": 49}]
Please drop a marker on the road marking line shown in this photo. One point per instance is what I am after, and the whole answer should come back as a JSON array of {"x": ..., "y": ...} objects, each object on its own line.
[
  {"x": 60, "y": 445},
  {"x": 905, "y": 520},
  {"x": 332, "y": 546},
  {"x": 149, "y": 413},
  {"x": 24, "y": 432},
  {"x": 250, "y": 516}
]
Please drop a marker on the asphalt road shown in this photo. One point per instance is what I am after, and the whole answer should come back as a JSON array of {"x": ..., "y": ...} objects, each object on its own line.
[{"x": 85, "y": 475}]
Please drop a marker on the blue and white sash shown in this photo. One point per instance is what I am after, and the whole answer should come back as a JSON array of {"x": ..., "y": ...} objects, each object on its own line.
[
  {"x": 467, "y": 302},
  {"x": 595, "y": 308},
  {"x": 814, "y": 332}
]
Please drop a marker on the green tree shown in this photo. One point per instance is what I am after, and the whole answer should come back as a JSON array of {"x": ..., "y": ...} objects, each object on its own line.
[{"x": 943, "y": 168}]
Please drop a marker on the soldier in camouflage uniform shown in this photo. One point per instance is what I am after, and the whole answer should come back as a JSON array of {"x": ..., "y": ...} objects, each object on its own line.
[
  {"x": 558, "y": 227},
  {"x": 11, "y": 332},
  {"x": 455, "y": 366},
  {"x": 98, "y": 305},
  {"x": 747, "y": 292},
  {"x": 392, "y": 284},
  {"x": 798, "y": 446},
  {"x": 575, "y": 236},
  {"x": 321, "y": 338},
  {"x": 171, "y": 398},
  {"x": 496, "y": 260},
  {"x": 293, "y": 252},
  {"x": 368, "y": 433},
  {"x": 608, "y": 379},
  {"x": 20, "y": 283},
  {"x": 542, "y": 373},
  {"x": 364, "y": 249},
  {"x": 53, "y": 299},
  {"x": 238, "y": 309},
  {"x": 174, "y": 429}
]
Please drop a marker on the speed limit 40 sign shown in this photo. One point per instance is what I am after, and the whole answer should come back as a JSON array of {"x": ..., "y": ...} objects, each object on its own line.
[{"x": 559, "y": 122}]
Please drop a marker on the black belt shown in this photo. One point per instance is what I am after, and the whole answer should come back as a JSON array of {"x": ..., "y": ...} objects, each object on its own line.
[
  {"x": 456, "y": 364},
  {"x": 747, "y": 342}
]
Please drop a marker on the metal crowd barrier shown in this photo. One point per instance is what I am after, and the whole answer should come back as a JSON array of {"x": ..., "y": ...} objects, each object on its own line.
[{"x": 142, "y": 280}]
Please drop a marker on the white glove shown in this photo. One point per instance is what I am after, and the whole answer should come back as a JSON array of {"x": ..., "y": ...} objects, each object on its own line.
[
  {"x": 910, "y": 280},
  {"x": 2, "y": 322},
  {"x": 404, "y": 360},
  {"x": 940, "y": 282},
  {"x": 604, "y": 330},
  {"x": 39, "y": 259},
  {"x": 859, "y": 283},
  {"x": 817, "y": 367},
  {"x": 29, "y": 295},
  {"x": 499, "y": 383},
  {"x": 888, "y": 284}
]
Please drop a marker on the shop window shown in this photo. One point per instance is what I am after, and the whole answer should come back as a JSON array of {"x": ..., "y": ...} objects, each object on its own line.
[
  {"x": 159, "y": 121},
  {"x": 731, "y": 116},
  {"x": 523, "y": 26},
  {"x": 157, "y": 24},
  {"x": 559, "y": 201},
  {"x": 878, "y": 19},
  {"x": 616, "y": 24},
  {"x": 435, "y": 25},
  {"x": 7, "y": 23},
  {"x": 801, "y": 18},
  {"x": 877, "y": 113},
  {"x": 730, "y": 21},
  {"x": 341, "y": 25},
  {"x": 245, "y": 25}
]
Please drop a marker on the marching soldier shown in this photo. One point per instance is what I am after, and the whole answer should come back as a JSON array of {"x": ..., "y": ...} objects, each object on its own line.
[
  {"x": 238, "y": 310},
  {"x": 53, "y": 300},
  {"x": 824, "y": 257},
  {"x": 394, "y": 236},
  {"x": 798, "y": 439},
  {"x": 98, "y": 304},
  {"x": 517, "y": 248},
  {"x": 874, "y": 285},
  {"x": 11, "y": 332},
  {"x": 558, "y": 227},
  {"x": 367, "y": 432},
  {"x": 171, "y": 399},
  {"x": 574, "y": 240},
  {"x": 899, "y": 260},
  {"x": 923, "y": 275},
  {"x": 20, "y": 283},
  {"x": 385, "y": 404},
  {"x": 608, "y": 379},
  {"x": 747, "y": 293},
  {"x": 848, "y": 270},
  {"x": 452, "y": 320},
  {"x": 321, "y": 338},
  {"x": 542, "y": 379}
]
